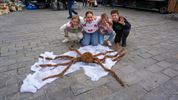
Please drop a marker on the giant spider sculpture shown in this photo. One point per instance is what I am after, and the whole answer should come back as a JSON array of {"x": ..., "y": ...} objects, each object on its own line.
[{"x": 86, "y": 57}]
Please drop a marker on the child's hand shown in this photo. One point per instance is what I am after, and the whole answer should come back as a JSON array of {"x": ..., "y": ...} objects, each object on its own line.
[
  {"x": 121, "y": 21},
  {"x": 107, "y": 24},
  {"x": 94, "y": 17}
]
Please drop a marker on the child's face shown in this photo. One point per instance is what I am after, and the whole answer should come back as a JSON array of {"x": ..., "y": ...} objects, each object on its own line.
[
  {"x": 115, "y": 17},
  {"x": 75, "y": 22},
  {"x": 104, "y": 20},
  {"x": 89, "y": 18}
]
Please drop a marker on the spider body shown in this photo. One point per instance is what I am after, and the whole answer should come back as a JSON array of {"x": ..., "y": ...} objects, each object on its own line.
[{"x": 87, "y": 57}]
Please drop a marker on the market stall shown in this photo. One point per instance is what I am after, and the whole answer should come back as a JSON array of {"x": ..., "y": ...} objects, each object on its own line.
[
  {"x": 7, "y": 6},
  {"x": 173, "y": 6}
]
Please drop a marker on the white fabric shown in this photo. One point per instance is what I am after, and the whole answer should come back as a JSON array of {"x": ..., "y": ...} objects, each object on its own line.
[{"x": 33, "y": 81}]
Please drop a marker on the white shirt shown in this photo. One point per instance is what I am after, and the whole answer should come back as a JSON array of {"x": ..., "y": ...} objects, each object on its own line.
[{"x": 90, "y": 27}]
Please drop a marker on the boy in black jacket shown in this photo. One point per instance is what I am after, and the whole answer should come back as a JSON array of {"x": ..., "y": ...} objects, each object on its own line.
[{"x": 121, "y": 27}]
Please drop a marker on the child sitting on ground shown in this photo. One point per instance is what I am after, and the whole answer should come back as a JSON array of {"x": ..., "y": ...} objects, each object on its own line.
[
  {"x": 73, "y": 26},
  {"x": 90, "y": 29},
  {"x": 105, "y": 28},
  {"x": 91, "y": 3},
  {"x": 121, "y": 27}
]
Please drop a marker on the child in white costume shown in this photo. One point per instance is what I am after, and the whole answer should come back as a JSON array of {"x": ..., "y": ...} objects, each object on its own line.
[{"x": 73, "y": 26}]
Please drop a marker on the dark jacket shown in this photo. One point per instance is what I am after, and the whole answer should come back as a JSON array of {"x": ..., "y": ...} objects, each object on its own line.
[{"x": 117, "y": 27}]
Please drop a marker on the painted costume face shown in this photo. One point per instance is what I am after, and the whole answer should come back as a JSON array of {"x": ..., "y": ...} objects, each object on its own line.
[{"x": 115, "y": 17}]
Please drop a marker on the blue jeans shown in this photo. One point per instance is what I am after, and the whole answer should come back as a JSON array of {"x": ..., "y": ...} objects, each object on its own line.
[
  {"x": 90, "y": 39},
  {"x": 101, "y": 37}
]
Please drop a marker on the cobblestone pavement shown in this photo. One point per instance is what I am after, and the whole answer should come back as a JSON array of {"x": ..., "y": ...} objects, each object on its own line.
[{"x": 150, "y": 68}]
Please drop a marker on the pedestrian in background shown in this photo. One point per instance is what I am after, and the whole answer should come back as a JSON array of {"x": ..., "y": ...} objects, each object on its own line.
[
  {"x": 70, "y": 9},
  {"x": 64, "y": 3},
  {"x": 84, "y": 2},
  {"x": 91, "y": 3}
]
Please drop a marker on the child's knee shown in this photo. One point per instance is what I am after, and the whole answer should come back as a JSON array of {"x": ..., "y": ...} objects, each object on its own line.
[
  {"x": 84, "y": 42},
  {"x": 101, "y": 42},
  {"x": 94, "y": 42},
  {"x": 79, "y": 35}
]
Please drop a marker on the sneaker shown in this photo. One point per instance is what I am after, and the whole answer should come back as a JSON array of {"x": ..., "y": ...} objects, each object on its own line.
[
  {"x": 66, "y": 39},
  {"x": 109, "y": 43},
  {"x": 69, "y": 17},
  {"x": 75, "y": 13}
]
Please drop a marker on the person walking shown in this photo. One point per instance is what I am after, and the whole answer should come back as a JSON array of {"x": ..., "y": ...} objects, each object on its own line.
[
  {"x": 70, "y": 9},
  {"x": 64, "y": 2},
  {"x": 84, "y": 3}
]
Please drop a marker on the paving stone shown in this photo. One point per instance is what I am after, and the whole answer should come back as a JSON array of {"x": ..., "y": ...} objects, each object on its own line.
[
  {"x": 163, "y": 91},
  {"x": 100, "y": 92},
  {"x": 128, "y": 69},
  {"x": 23, "y": 70},
  {"x": 172, "y": 86},
  {"x": 135, "y": 58},
  {"x": 154, "y": 68},
  {"x": 40, "y": 94},
  {"x": 78, "y": 83},
  {"x": 172, "y": 59},
  {"x": 114, "y": 86},
  {"x": 8, "y": 90},
  {"x": 174, "y": 67},
  {"x": 85, "y": 96},
  {"x": 154, "y": 96},
  {"x": 118, "y": 96},
  {"x": 135, "y": 91},
  {"x": 2, "y": 98},
  {"x": 7, "y": 63},
  {"x": 2, "y": 82},
  {"x": 19, "y": 96},
  {"x": 16, "y": 79},
  {"x": 164, "y": 64},
  {"x": 22, "y": 43},
  {"x": 8, "y": 53},
  {"x": 170, "y": 72},
  {"x": 158, "y": 57},
  {"x": 145, "y": 55},
  {"x": 148, "y": 61},
  {"x": 154, "y": 52},
  {"x": 80, "y": 87},
  {"x": 153, "y": 80},
  {"x": 63, "y": 94},
  {"x": 131, "y": 78},
  {"x": 9, "y": 73},
  {"x": 62, "y": 83},
  {"x": 173, "y": 97},
  {"x": 43, "y": 97},
  {"x": 100, "y": 82}
]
